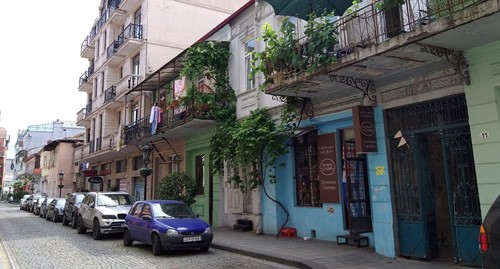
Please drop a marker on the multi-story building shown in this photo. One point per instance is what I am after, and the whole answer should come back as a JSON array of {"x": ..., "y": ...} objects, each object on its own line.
[
  {"x": 58, "y": 167},
  {"x": 400, "y": 132},
  {"x": 129, "y": 41},
  {"x": 387, "y": 150},
  {"x": 29, "y": 145},
  {"x": 8, "y": 178},
  {"x": 4, "y": 144}
]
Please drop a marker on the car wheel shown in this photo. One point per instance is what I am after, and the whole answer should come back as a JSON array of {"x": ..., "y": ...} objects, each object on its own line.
[
  {"x": 79, "y": 226},
  {"x": 156, "y": 245},
  {"x": 54, "y": 217},
  {"x": 204, "y": 249},
  {"x": 127, "y": 240},
  {"x": 65, "y": 221},
  {"x": 73, "y": 221},
  {"x": 96, "y": 230},
  {"x": 46, "y": 216}
]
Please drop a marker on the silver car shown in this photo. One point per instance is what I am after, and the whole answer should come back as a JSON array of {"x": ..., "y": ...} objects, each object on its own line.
[{"x": 104, "y": 213}]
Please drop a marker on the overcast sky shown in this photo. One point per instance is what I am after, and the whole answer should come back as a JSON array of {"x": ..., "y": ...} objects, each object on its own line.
[{"x": 42, "y": 64}]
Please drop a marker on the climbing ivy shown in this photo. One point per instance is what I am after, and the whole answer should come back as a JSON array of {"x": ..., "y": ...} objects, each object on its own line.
[{"x": 254, "y": 142}]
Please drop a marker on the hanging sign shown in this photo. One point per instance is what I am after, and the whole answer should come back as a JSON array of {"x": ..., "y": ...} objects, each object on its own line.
[
  {"x": 364, "y": 129},
  {"x": 95, "y": 180},
  {"x": 328, "y": 169}
]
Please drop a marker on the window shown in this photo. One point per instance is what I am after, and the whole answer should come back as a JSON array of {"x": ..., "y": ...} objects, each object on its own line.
[
  {"x": 137, "y": 16},
  {"x": 173, "y": 164},
  {"x": 306, "y": 170},
  {"x": 199, "y": 172},
  {"x": 121, "y": 166},
  {"x": 137, "y": 162},
  {"x": 135, "y": 65},
  {"x": 134, "y": 113},
  {"x": 249, "y": 48},
  {"x": 102, "y": 82}
]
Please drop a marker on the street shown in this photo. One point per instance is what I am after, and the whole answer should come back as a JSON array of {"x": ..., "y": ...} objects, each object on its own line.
[{"x": 33, "y": 242}]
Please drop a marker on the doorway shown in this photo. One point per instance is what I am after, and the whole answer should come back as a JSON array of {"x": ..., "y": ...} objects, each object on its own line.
[{"x": 433, "y": 180}]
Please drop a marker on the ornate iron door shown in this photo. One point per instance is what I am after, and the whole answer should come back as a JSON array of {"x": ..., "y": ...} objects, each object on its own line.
[
  {"x": 414, "y": 200},
  {"x": 413, "y": 177},
  {"x": 464, "y": 196}
]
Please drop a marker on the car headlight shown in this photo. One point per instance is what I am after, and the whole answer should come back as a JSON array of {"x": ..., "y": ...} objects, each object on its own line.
[
  {"x": 208, "y": 230},
  {"x": 172, "y": 232},
  {"x": 108, "y": 217}
]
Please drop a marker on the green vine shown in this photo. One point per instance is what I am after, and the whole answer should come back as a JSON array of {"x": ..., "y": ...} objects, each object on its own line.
[
  {"x": 284, "y": 53},
  {"x": 210, "y": 60},
  {"x": 249, "y": 144}
]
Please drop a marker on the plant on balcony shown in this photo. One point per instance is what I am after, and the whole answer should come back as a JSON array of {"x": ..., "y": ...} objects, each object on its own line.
[
  {"x": 321, "y": 41},
  {"x": 284, "y": 54},
  {"x": 209, "y": 60},
  {"x": 281, "y": 54}
]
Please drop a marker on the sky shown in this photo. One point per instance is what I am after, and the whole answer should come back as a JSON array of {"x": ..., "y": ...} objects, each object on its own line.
[{"x": 41, "y": 43}]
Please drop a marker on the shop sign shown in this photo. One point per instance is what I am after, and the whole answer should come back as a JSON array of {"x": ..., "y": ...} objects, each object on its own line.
[
  {"x": 328, "y": 168},
  {"x": 95, "y": 180},
  {"x": 364, "y": 129}
]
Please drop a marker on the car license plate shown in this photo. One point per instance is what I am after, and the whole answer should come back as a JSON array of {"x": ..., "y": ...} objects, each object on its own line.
[{"x": 191, "y": 239}]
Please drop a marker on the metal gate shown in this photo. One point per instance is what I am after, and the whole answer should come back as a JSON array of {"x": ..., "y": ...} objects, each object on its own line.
[{"x": 437, "y": 152}]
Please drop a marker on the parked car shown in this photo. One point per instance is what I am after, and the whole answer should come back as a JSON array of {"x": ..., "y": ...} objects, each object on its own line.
[
  {"x": 103, "y": 212},
  {"x": 33, "y": 198},
  {"x": 70, "y": 212},
  {"x": 489, "y": 237},
  {"x": 24, "y": 202},
  {"x": 166, "y": 225},
  {"x": 38, "y": 203},
  {"x": 44, "y": 205},
  {"x": 55, "y": 209}
]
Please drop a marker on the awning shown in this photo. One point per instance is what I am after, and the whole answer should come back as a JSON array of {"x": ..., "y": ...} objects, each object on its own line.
[{"x": 302, "y": 8}]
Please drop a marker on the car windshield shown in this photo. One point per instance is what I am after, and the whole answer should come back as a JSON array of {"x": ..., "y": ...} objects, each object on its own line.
[
  {"x": 177, "y": 211},
  {"x": 114, "y": 199},
  {"x": 79, "y": 198},
  {"x": 61, "y": 202}
]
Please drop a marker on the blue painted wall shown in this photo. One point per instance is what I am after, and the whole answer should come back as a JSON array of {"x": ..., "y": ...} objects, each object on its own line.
[{"x": 328, "y": 220}]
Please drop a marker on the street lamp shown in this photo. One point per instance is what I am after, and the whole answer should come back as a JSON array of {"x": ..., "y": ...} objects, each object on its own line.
[
  {"x": 145, "y": 171},
  {"x": 60, "y": 186}
]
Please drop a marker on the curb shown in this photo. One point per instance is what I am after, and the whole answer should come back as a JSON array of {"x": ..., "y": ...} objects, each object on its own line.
[
  {"x": 280, "y": 260},
  {"x": 6, "y": 261}
]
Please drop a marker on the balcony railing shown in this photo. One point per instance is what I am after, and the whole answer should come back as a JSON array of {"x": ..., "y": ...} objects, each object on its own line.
[
  {"x": 111, "y": 50},
  {"x": 83, "y": 79},
  {"x": 88, "y": 108},
  {"x": 170, "y": 118},
  {"x": 110, "y": 94},
  {"x": 132, "y": 31},
  {"x": 371, "y": 25},
  {"x": 80, "y": 115}
]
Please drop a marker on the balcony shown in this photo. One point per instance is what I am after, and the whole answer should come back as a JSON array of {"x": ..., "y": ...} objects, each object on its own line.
[
  {"x": 84, "y": 83},
  {"x": 100, "y": 149},
  {"x": 130, "y": 39},
  {"x": 87, "y": 51},
  {"x": 80, "y": 117},
  {"x": 128, "y": 5},
  {"x": 176, "y": 121},
  {"x": 113, "y": 58},
  {"x": 379, "y": 47},
  {"x": 116, "y": 16},
  {"x": 109, "y": 94}
]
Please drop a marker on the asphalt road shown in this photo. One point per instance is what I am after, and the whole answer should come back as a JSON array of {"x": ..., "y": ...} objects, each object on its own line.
[{"x": 32, "y": 242}]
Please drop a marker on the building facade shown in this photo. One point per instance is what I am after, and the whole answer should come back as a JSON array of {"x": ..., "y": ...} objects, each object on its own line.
[{"x": 126, "y": 47}]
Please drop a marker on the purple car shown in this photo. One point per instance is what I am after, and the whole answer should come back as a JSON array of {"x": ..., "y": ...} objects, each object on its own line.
[{"x": 166, "y": 225}]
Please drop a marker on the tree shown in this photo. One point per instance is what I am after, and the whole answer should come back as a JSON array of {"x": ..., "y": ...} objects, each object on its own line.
[{"x": 178, "y": 186}]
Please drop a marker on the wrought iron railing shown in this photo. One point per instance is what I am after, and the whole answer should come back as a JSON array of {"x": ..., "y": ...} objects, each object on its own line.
[
  {"x": 171, "y": 117},
  {"x": 110, "y": 94},
  {"x": 112, "y": 7},
  {"x": 83, "y": 79},
  {"x": 132, "y": 31},
  {"x": 111, "y": 50},
  {"x": 371, "y": 25},
  {"x": 88, "y": 108}
]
